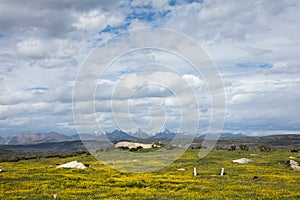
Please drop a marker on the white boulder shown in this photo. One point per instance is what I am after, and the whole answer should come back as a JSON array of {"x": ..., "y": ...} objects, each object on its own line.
[
  {"x": 242, "y": 161},
  {"x": 72, "y": 164}
]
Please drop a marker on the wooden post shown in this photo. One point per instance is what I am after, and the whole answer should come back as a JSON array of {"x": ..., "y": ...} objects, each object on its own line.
[
  {"x": 222, "y": 172},
  {"x": 195, "y": 171}
]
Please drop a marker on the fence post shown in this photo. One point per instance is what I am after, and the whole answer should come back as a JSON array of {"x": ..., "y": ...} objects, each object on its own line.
[{"x": 222, "y": 172}]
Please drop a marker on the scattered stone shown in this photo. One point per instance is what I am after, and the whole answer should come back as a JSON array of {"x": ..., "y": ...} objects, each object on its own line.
[
  {"x": 294, "y": 165},
  {"x": 295, "y": 168},
  {"x": 181, "y": 169}
]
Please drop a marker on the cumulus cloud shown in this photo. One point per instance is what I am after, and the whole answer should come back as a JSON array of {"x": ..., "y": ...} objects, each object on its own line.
[
  {"x": 97, "y": 20},
  {"x": 150, "y": 99},
  {"x": 32, "y": 48}
]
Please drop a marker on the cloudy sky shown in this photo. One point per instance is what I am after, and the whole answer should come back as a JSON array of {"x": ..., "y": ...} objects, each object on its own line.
[{"x": 254, "y": 46}]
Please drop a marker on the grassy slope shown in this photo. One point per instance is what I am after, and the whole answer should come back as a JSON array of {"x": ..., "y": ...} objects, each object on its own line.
[{"x": 39, "y": 179}]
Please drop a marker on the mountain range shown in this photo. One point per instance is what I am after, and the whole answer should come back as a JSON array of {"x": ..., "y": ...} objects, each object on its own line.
[
  {"x": 115, "y": 136},
  {"x": 224, "y": 135},
  {"x": 166, "y": 134},
  {"x": 29, "y": 138}
]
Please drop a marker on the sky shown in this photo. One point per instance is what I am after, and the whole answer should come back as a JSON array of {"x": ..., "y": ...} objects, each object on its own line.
[{"x": 254, "y": 45}]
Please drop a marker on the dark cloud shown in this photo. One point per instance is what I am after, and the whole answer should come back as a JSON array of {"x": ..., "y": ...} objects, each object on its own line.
[{"x": 54, "y": 18}]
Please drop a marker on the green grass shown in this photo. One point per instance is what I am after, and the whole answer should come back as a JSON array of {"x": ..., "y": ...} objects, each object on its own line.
[{"x": 40, "y": 179}]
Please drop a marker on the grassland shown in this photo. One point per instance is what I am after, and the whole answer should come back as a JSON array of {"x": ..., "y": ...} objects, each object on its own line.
[{"x": 40, "y": 179}]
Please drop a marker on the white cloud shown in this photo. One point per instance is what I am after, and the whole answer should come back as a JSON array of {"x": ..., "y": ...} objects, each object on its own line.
[
  {"x": 228, "y": 28},
  {"x": 32, "y": 48},
  {"x": 96, "y": 20},
  {"x": 160, "y": 5},
  {"x": 140, "y": 2},
  {"x": 149, "y": 99},
  {"x": 284, "y": 68}
]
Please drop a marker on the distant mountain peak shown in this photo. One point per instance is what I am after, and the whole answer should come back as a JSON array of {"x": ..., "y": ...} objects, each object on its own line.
[
  {"x": 118, "y": 135},
  {"x": 167, "y": 131},
  {"x": 140, "y": 134},
  {"x": 165, "y": 134}
]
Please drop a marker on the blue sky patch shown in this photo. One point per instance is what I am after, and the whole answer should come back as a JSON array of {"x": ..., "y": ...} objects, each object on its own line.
[
  {"x": 116, "y": 29},
  {"x": 37, "y": 88},
  {"x": 144, "y": 13},
  {"x": 192, "y": 1},
  {"x": 266, "y": 66},
  {"x": 254, "y": 65},
  {"x": 143, "y": 16},
  {"x": 174, "y": 2}
]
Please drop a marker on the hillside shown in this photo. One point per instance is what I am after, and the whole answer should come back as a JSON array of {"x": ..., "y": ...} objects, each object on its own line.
[{"x": 50, "y": 140}]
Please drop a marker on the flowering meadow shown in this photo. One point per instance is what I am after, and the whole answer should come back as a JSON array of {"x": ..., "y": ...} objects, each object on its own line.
[{"x": 40, "y": 179}]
